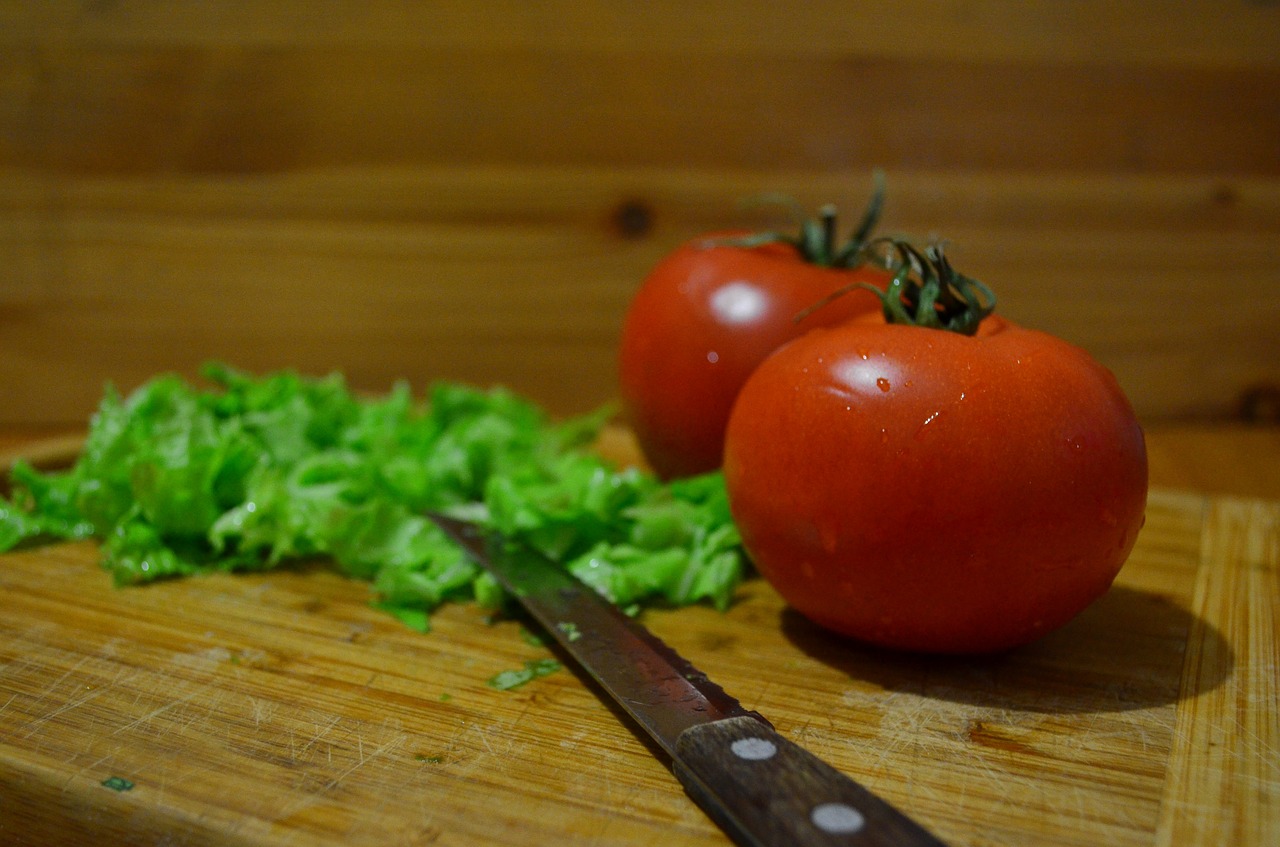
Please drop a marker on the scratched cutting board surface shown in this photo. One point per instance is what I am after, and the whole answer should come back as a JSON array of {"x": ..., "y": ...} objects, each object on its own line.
[{"x": 281, "y": 709}]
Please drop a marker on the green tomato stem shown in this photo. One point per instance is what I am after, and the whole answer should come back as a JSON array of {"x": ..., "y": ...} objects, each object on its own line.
[
  {"x": 817, "y": 241},
  {"x": 925, "y": 290}
]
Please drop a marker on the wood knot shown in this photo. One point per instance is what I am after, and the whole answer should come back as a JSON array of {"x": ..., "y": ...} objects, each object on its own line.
[
  {"x": 1260, "y": 404},
  {"x": 1225, "y": 196},
  {"x": 632, "y": 219}
]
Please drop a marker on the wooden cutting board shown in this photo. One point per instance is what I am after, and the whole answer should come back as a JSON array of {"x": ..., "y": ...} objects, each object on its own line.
[{"x": 282, "y": 709}]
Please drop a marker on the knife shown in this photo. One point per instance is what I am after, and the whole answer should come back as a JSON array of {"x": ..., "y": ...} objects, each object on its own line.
[{"x": 760, "y": 788}]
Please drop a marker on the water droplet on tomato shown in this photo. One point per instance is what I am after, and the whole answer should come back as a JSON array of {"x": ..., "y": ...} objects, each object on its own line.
[
  {"x": 923, "y": 429},
  {"x": 882, "y": 383},
  {"x": 713, "y": 356}
]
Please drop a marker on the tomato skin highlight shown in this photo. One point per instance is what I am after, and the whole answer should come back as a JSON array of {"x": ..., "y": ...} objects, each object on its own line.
[
  {"x": 704, "y": 318},
  {"x": 928, "y": 491}
]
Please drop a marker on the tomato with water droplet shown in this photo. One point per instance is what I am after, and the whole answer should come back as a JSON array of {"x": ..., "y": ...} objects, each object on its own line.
[{"x": 933, "y": 491}]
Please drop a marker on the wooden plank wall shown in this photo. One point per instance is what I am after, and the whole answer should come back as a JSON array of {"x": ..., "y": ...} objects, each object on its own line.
[{"x": 473, "y": 190}]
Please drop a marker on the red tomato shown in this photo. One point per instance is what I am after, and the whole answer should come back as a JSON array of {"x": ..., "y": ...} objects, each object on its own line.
[
  {"x": 931, "y": 491},
  {"x": 702, "y": 321}
]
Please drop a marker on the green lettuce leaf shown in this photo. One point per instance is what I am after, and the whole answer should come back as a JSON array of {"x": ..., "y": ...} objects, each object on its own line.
[{"x": 254, "y": 472}]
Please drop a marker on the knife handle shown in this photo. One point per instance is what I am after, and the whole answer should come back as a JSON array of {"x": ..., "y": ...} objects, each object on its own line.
[{"x": 763, "y": 790}]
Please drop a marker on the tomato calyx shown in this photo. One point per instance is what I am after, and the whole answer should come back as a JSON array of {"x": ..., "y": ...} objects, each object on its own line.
[
  {"x": 817, "y": 242},
  {"x": 938, "y": 297},
  {"x": 925, "y": 291}
]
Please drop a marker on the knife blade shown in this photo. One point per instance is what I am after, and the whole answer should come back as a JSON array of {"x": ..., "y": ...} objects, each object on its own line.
[{"x": 760, "y": 788}]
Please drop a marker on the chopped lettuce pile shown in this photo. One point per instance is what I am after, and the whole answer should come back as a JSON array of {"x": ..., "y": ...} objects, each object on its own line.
[{"x": 259, "y": 471}]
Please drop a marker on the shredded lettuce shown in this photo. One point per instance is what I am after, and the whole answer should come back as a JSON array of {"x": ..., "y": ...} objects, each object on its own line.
[
  {"x": 533, "y": 669},
  {"x": 254, "y": 472}
]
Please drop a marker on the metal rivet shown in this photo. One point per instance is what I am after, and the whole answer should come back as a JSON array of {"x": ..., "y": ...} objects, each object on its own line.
[
  {"x": 753, "y": 749},
  {"x": 837, "y": 818}
]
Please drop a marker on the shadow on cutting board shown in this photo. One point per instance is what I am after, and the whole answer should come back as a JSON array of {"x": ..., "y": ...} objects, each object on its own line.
[{"x": 1124, "y": 652}]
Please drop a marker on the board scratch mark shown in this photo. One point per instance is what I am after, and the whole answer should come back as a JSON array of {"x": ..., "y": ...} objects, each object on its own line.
[
  {"x": 262, "y": 710},
  {"x": 318, "y": 735},
  {"x": 52, "y": 686},
  {"x": 75, "y": 703},
  {"x": 156, "y": 712},
  {"x": 361, "y": 760}
]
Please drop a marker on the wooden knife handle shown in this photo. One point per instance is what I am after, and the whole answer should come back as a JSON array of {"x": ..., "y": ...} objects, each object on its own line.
[{"x": 764, "y": 790}]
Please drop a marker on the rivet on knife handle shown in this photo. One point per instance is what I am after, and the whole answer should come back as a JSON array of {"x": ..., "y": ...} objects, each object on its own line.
[{"x": 764, "y": 790}]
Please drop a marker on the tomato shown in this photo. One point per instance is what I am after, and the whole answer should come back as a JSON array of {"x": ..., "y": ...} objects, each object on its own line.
[
  {"x": 927, "y": 490},
  {"x": 707, "y": 315}
]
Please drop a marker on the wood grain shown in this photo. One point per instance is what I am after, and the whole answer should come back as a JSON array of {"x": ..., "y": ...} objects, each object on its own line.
[
  {"x": 522, "y": 277},
  {"x": 281, "y": 709},
  {"x": 474, "y": 190},
  {"x": 254, "y": 109},
  {"x": 1234, "y": 460},
  {"x": 1197, "y": 32},
  {"x": 1221, "y": 788}
]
